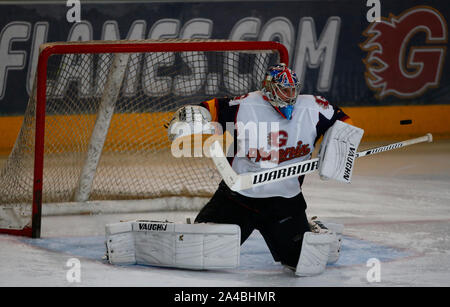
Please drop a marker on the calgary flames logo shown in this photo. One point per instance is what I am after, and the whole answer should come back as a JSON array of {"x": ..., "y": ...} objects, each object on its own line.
[{"x": 393, "y": 66}]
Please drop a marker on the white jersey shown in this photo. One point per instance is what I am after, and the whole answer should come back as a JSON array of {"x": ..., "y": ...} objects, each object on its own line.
[{"x": 265, "y": 139}]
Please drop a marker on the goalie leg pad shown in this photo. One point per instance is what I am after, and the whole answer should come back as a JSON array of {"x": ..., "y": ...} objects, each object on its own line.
[
  {"x": 189, "y": 246},
  {"x": 120, "y": 244},
  {"x": 314, "y": 254},
  {"x": 335, "y": 246},
  {"x": 326, "y": 227}
]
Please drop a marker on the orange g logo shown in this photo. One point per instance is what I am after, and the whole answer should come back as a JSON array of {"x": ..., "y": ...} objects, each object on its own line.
[{"x": 393, "y": 67}]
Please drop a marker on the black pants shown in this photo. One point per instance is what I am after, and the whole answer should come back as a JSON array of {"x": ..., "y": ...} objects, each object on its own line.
[{"x": 281, "y": 221}]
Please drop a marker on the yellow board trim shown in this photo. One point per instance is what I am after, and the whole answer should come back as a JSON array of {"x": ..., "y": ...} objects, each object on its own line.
[
  {"x": 9, "y": 130},
  {"x": 379, "y": 123},
  {"x": 212, "y": 109},
  {"x": 384, "y": 123}
]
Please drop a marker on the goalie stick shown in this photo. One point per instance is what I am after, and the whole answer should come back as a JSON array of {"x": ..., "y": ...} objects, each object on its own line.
[{"x": 245, "y": 181}]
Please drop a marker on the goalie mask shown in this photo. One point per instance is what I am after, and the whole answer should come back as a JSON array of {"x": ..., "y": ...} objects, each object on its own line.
[{"x": 281, "y": 88}]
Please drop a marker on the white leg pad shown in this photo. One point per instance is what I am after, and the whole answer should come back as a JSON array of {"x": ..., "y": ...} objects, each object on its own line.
[
  {"x": 120, "y": 243},
  {"x": 335, "y": 246},
  {"x": 326, "y": 227},
  {"x": 191, "y": 246},
  {"x": 314, "y": 254}
]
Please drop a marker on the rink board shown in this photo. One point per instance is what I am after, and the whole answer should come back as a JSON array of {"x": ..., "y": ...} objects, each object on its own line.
[{"x": 379, "y": 123}]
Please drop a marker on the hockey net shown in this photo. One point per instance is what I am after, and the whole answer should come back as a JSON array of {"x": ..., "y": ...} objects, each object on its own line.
[{"x": 94, "y": 126}]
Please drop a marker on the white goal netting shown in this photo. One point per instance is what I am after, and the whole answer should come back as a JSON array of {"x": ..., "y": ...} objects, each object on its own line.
[{"x": 135, "y": 95}]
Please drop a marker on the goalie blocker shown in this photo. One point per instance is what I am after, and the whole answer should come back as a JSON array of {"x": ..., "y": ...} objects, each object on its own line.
[
  {"x": 337, "y": 152},
  {"x": 188, "y": 246}
]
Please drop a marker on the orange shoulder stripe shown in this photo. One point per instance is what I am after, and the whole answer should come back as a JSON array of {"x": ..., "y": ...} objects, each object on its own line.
[
  {"x": 211, "y": 105},
  {"x": 348, "y": 120}
]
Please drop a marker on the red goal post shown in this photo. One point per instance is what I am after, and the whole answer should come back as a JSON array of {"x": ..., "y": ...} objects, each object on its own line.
[{"x": 73, "y": 50}]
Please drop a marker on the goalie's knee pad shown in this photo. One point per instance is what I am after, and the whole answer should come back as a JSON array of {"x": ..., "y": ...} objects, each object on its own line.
[
  {"x": 190, "y": 246},
  {"x": 314, "y": 253}
]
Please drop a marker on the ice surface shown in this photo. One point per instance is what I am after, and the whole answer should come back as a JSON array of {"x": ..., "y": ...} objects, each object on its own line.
[{"x": 397, "y": 210}]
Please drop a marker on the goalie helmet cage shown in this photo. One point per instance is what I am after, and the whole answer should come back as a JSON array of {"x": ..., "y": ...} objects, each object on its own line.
[{"x": 94, "y": 128}]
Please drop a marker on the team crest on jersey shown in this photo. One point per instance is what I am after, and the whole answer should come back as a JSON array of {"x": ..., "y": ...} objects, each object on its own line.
[
  {"x": 393, "y": 66},
  {"x": 278, "y": 154},
  {"x": 277, "y": 139}
]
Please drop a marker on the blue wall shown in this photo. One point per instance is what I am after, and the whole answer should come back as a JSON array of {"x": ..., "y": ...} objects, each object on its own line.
[{"x": 332, "y": 45}]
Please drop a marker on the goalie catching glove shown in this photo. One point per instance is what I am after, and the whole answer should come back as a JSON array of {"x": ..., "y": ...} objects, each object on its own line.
[
  {"x": 337, "y": 152},
  {"x": 189, "y": 120}
]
